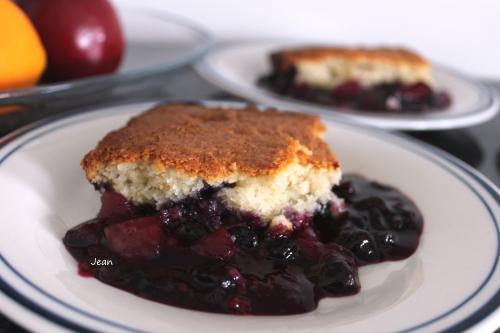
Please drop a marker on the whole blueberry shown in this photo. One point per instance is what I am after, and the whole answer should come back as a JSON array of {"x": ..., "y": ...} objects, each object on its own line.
[
  {"x": 338, "y": 278},
  {"x": 344, "y": 190},
  {"x": 244, "y": 237},
  {"x": 361, "y": 243},
  {"x": 171, "y": 215},
  {"x": 282, "y": 249}
]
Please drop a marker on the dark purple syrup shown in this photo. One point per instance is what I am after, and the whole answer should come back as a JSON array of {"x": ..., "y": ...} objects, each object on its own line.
[
  {"x": 199, "y": 255},
  {"x": 386, "y": 97}
]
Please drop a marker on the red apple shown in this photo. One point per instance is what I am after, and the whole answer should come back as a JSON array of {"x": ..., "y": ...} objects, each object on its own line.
[{"x": 82, "y": 37}]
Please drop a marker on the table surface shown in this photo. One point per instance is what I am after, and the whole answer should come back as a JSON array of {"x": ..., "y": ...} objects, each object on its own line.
[{"x": 478, "y": 146}]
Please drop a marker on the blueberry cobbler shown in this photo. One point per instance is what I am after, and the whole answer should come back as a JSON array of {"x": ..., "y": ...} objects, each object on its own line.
[
  {"x": 234, "y": 211},
  {"x": 379, "y": 79}
]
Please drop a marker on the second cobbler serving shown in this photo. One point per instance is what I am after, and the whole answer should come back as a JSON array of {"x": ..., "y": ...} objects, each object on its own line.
[{"x": 368, "y": 79}]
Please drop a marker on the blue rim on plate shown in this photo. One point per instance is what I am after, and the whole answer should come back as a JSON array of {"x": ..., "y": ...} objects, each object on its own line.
[
  {"x": 424, "y": 150},
  {"x": 487, "y": 106},
  {"x": 90, "y": 84}
]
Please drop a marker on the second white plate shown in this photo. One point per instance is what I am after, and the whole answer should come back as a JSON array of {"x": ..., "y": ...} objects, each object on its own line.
[{"x": 236, "y": 67}]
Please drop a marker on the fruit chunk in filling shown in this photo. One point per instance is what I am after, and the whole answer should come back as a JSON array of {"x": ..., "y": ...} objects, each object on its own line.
[{"x": 199, "y": 254}]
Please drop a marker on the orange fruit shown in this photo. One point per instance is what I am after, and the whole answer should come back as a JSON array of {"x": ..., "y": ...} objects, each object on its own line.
[{"x": 22, "y": 56}]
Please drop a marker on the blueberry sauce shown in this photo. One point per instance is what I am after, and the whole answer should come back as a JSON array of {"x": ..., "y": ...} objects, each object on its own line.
[
  {"x": 198, "y": 254},
  {"x": 385, "y": 97}
]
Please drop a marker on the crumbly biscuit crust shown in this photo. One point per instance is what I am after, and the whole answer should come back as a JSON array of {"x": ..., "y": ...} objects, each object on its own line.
[
  {"x": 286, "y": 59},
  {"x": 214, "y": 143}
]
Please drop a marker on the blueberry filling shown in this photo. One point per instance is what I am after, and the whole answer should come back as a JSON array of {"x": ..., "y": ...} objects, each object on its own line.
[
  {"x": 385, "y": 97},
  {"x": 198, "y": 254}
]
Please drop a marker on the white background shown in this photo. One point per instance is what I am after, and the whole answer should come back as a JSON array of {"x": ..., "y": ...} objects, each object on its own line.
[{"x": 462, "y": 34}]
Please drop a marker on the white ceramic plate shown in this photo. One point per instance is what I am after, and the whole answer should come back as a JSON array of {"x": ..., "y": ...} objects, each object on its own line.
[
  {"x": 236, "y": 67},
  {"x": 451, "y": 283},
  {"x": 155, "y": 42}
]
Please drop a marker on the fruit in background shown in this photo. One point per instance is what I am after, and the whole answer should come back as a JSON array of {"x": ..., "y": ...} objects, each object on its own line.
[
  {"x": 82, "y": 37},
  {"x": 22, "y": 57}
]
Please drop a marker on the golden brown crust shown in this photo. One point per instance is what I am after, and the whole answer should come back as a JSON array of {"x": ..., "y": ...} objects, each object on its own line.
[
  {"x": 214, "y": 142},
  {"x": 286, "y": 59}
]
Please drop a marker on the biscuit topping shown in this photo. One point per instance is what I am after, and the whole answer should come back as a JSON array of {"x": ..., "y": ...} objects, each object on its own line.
[{"x": 214, "y": 142}]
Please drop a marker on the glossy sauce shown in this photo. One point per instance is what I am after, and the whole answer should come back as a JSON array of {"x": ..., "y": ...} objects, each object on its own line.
[{"x": 196, "y": 254}]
